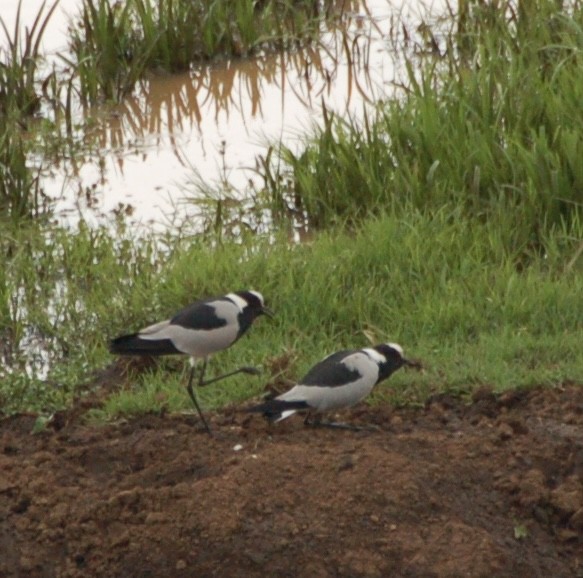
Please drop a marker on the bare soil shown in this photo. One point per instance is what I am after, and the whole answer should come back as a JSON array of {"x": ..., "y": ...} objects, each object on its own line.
[{"x": 491, "y": 487}]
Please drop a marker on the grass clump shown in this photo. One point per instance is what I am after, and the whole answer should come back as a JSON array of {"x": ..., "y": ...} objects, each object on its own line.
[
  {"x": 20, "y": 59},
  {"x": 20, "y": 194},
  {"x": 492, "y": 127},
  {"x": 114, "y": 45},
  {"x": 29, "y": 91}
]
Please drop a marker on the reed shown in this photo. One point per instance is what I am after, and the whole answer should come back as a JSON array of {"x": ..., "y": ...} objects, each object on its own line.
[
  {"x": 114, "y": 45},
  {"x": 20, "y": 59},
  {"x": 490, "y": 128}
]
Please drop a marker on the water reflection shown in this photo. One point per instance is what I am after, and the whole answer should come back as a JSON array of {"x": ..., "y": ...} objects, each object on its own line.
[
  {"x": 215, "y": 121},
  {"x": 240, "y": 92}
]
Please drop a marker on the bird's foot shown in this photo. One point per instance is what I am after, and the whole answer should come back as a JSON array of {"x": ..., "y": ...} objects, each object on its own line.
[
  {"x": 340, "y": 425},
  {"x": 205, "y": 430},
  {"x": 197, "y": 425}
]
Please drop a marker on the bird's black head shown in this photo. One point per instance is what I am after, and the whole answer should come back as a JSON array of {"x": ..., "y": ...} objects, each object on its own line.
[
  {"x": 394, "y": 359},
  {"x": 255, "y": 304}
]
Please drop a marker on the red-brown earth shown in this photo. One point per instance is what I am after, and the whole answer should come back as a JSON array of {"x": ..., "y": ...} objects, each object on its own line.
[{"x": 489, "y": 487}]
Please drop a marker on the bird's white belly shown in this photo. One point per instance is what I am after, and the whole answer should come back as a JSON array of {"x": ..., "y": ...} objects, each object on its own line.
[
  {"x": 197, "y": 343},
  {"x": 329, "y": 398}
]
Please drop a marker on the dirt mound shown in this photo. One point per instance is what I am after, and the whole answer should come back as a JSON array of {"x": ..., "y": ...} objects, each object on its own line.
[{"x": 490, "y": 488}]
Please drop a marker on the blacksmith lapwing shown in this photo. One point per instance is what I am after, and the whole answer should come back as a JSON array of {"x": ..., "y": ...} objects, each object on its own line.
[
  {"x": 199, "y": 330},
  {"x": 338, "y": 381}
]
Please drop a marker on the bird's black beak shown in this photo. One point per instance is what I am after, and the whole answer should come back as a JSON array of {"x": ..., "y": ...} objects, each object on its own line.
[{"x": 267, "y": 311}]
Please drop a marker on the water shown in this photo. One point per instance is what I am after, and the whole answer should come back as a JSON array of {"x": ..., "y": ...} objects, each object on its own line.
[{"x": 211, "y": 124}]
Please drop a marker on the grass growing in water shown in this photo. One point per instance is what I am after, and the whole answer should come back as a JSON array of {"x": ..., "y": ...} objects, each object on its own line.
[
  {"x": 20, "y": 196},
  {"x": 493, "y": 127},
  {"x": 32, "y": 106},
  {"x": 20, "y": 89},
  {"x": 115, "y": 44},
  {"x": 25, "y": 84}
]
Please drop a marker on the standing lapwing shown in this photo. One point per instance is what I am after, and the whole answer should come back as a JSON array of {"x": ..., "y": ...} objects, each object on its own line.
[
  {"x": 199, "y": 330},
  {"x": 338, "y": 381}
]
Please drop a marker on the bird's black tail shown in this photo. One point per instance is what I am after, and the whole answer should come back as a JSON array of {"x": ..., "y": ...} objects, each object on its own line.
[
  {"x": 134, "y": 345},
  {"x": 274, "y": 408}
]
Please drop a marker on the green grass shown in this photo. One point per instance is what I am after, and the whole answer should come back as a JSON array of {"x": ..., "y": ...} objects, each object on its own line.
[
  {"x": 450, "y": 222},
  {"x": 448, "y": 290},
  {"x": 493, "y": 127},
  {"x": 26, "y": 84},
  {"x": 35, "y": 107},
  {"x": 20, "y": 196},
  {"x": 20, "y": 60},
  {"x": 114, "y": 45}
]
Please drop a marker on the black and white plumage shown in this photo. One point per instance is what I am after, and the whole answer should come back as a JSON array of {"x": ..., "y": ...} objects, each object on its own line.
[
  {"x": 338, "y": 381},
  {"x": 199, "y": 330}
]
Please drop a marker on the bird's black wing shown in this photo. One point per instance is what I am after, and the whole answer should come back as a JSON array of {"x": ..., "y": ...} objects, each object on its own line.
[
  {"x": 134, "y": 345},
  {"x": 331, "y": 372},
  {"x": 201, "y": 315},
  {"x": 273, "y": 408}
]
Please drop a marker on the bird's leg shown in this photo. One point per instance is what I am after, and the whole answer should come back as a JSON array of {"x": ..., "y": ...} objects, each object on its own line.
[
  {"x": 202, "y": 372},
  {"x": 202, "y": 382},
  {"x": 192, "y": 395},
  {"x": 311, "y": 420}
]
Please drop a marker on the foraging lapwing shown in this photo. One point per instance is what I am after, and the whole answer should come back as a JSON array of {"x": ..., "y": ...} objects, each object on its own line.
[
  {"x": 338, "y": 381},
  {"x": 199, "y": 330}
]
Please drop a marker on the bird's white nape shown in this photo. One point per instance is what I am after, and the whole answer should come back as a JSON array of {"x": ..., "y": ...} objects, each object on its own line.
[
  {"x": 237, "y": 300},
  {"x": 375, "y": 355},
  {"x": 259, "y": 296},
  {"x": 397, "y": 347}
]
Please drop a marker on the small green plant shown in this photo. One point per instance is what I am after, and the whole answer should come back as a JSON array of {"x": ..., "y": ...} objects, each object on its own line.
[
  {"x": 41, "y": 424},
  {"x": 520, "y": 532}
]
